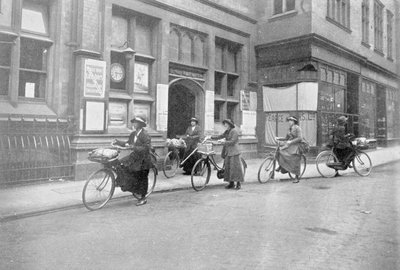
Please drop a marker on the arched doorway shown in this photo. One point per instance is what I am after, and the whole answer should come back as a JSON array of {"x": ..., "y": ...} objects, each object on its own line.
[{"x": 185, "y": 100}]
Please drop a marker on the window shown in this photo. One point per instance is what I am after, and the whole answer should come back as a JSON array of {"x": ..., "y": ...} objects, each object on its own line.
[
  {"x": 339, "y": 12},
  {"x": 332, "y": 90},
  {"x": 367, "y": 109},
  {"x": 389, "y": 34},
  {"x": 365, "y": 21},
  {"x": 282, "y": 6},
  {"x": 392, "y": 105},
  {"x": 378, "y": 26},
  {"x": 30, "y": 68},
  {"x": 227, "y": 78}
]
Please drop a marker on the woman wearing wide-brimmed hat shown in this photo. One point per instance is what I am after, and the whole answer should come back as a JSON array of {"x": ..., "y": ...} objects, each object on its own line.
[
  {"x": 139, "y": 161},
  {"x": 231, "y": 155},
  {"x": 192, "y": 138},
  {"x": 289, "y": 156}
]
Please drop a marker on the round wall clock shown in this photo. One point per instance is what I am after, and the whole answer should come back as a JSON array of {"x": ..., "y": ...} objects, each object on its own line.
[{"x": 117, "y": 72}]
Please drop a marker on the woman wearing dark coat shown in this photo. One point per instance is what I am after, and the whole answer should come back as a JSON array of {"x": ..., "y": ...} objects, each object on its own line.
[
  {"x": 289, "y": 157},
  {"x": 192, "y": 138},
  {"x": 231, "y": 155},
  {"x": 139, "y": 161},
  {"x": 342, "y": 146}
]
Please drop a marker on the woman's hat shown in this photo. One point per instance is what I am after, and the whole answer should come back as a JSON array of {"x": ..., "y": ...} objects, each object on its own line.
[
  {"x": 139, "y": 119},
  {"x": 194, "y": 119},
  {"x": 342, "y": 119},
  {"x": 293, "y": 118},
  {"x": 229, "y": 122}
]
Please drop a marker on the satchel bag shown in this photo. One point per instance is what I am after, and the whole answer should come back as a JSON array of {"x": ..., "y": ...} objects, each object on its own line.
[
  {"x": 304, "y": 146},
  {"x": 220, "y": 173}
]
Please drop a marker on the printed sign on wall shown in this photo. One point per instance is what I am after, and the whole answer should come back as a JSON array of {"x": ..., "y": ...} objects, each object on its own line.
[{"x": 94, "y": 78}]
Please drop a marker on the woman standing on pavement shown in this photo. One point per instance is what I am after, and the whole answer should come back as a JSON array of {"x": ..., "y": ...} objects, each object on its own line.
[
  {"x": 139, "y": 161},
  {"x": 231, "y": 155},
  {"x": 289, "y": 157}
]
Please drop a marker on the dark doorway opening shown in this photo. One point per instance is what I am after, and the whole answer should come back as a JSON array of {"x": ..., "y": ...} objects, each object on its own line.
[{"x": 181, "y": 107}]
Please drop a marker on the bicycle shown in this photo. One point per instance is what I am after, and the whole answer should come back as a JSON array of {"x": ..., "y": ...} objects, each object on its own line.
[
  {"x": 328, "y": 164},
  {"x": 201, "y": 171},
  {"x": 172, "y": 162},
  {"x": 267, "y": 167},
  {"x": 100, "y": 186}
]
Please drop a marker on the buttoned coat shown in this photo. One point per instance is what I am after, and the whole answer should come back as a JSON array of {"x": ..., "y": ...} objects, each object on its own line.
[
  {"x": 230, "y": 147},
  {"x": 140, "y": 158}
]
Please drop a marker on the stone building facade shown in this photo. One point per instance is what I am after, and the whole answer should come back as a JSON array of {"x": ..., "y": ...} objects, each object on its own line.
[{"x": 73, "y": 73}]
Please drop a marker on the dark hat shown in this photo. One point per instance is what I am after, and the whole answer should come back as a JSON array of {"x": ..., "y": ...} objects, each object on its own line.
[
  {"x": 229, "y": 122},
  {"x": 194, "y": 119},
  {"x": 139, "y": 119},
  {"x": 342, "y": 119},
  {"x": 293, "y": 118}
]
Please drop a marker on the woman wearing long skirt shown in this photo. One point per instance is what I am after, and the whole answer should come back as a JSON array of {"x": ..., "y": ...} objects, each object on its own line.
[
  {"x": 231, "y": 155},
  {"x": 289, "y": 157}
]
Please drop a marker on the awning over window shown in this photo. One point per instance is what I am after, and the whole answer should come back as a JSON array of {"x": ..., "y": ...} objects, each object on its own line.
[{"x": 302, "y": 96}]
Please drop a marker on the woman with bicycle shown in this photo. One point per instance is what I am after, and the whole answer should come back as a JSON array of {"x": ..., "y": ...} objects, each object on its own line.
[
  {"x": 289, "y": 156},
  {"x": 340, "y": 141},
  {"x": 231, "y": 155},
  {"x": 192, "y": 138},
  {"x": 139, "y": 161}
]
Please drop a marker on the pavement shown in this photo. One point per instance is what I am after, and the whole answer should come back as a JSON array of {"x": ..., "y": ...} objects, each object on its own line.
[{"x": 24, "y": 201}]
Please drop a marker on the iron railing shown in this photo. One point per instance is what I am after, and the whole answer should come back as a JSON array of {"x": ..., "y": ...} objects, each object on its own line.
[{"x": 34, "y": 149}]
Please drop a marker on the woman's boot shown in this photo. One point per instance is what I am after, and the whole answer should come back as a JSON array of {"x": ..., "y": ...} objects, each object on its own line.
[
  {"x": 297, "y": 179},
  {"x": 230, "y": 185},
  {"x": 238, "y": 185}
]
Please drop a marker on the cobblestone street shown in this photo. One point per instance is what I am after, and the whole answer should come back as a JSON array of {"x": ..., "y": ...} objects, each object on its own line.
[{"x": 347, "y": 222}]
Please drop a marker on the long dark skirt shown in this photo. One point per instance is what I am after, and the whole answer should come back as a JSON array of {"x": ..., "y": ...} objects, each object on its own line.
[
  {"x": 188, "y": 165},
  {"x": 344, "y": 155},
  {"x": 289, "y": 159},
  {"x": 233, "y": 169},
  {"x": 133, "y": 181}
]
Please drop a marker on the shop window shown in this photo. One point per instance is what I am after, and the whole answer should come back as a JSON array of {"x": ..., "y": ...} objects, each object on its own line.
[
  {"x": 34, "y": 17},
  {"x": 218, "y": 82},
  {"x": 143, "y": 36},
  {"x": 118, "y": 38},
  {"x": 219, "y": 57},
  {"x": 231, "y": 111},
  {"x": 5, "y": 63},
  {"x": 232, "y": 83},
  {"x": 218, "y": 106},
  {"x": 174, "y": 45},
  {"x": 33, "y": 66},
  {"x": 367, "y": 109}
]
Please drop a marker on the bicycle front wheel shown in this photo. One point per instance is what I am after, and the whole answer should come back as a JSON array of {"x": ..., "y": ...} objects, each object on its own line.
[
  {"x": 152, "y": 179},
  {"x": 266, "y": 170},
  {"x": 201, "y": 173},
  {"x": 362, "y": 164},
  {"x": 322, "y": 162},
  {"x": 98, "y": 189},
  {"x": 171, "y": 164},
  {"x": 303, "y": 164}
]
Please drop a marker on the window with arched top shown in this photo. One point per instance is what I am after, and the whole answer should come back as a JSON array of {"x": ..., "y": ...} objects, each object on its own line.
[
  {"x": 174, "y": 45},
  {"x": 198, "y": 51},
  {"x": 186, "y": 49}
]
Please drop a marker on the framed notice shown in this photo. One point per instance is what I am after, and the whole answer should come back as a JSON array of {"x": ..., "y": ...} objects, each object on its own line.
[
  {"x": 94, "y": 78},
  {"x": 94, "y": 117},
  {"x": 141, "y": 77}
]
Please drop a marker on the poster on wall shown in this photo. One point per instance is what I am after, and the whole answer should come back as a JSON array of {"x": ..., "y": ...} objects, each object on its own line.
[
  {"x": 142, "y": 110},
  {"x": 118, "y": 114},
  {"x": 162, "y": 107},
  {"x": 141, "y": 77},
  {"x": 94, "y": 78},
  {"x": 209, "y": 117},
  {"x": 249, "y": 120},
  {"x": 94, "y": 116}
]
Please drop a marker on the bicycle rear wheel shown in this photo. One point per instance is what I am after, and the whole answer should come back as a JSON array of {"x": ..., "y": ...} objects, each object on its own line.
[
  {"x": 151, "y": 184},
  {"x": 201, "y": 173},
  {"x": 303, "y": 164},
  {"x": 171, "y": 164},
  {"x": 98, "y": 189},
  {"x": 362, "y": 164},
  {"x": 323, "y": 160},
  {"x": 266, "y": 170}
]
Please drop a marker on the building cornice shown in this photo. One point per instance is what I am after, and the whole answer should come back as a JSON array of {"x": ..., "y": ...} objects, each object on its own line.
[
  {"x": 227, "y": 10},
  {"x": 194, "y": 16},
  {"x": 314, "y": 39}
]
